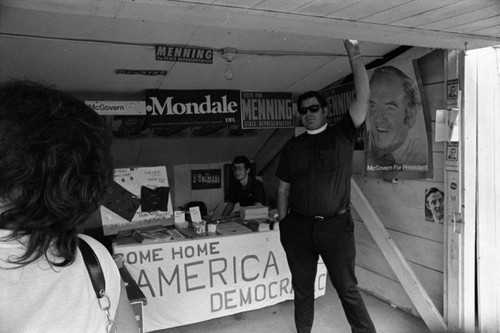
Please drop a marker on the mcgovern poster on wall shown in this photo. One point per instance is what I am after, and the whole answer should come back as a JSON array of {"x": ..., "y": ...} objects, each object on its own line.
[
  {"x": 398, "y": 137},
  {"x": 193, "y": 107}
]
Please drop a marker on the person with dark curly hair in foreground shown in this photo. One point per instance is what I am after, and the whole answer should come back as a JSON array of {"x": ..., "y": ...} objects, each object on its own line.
[{"x": 55, "y": 168}]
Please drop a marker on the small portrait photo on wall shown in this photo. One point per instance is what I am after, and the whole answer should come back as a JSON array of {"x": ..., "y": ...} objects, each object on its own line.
[
  {"x": 452, "y": 151},
  {"x": 434, "y": 205}
]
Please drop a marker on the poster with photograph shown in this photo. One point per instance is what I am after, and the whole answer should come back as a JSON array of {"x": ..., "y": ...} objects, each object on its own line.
[
  {"x": 398, "y": 131},
  {"x": 138, "y": 197},
  {"x": 452, "y": 94},
  {"x": 434, "y": 205},
  {"x": 452, "y": 152}
]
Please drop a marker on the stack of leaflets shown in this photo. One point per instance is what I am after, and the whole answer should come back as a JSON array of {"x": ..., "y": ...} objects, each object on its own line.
[
  {"x": 260, "y": 224},
  {"x": 232, "y": 228},
  {"x": 187, "y": 232},
  {"x": 254, "y": 212},
  {"x": 156, "y": 235}
]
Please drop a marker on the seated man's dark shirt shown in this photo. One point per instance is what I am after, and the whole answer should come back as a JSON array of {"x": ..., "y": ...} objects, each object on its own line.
[{"x": 249, "y": 195}]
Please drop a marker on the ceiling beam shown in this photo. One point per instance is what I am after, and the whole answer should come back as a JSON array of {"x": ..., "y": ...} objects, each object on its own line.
[{"x": 226, "y": 17}]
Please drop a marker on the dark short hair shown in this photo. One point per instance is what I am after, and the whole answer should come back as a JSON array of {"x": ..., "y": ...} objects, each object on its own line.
[
  {"x": 242, "y": 159},
  {"x": 412, "y": 95},
  {"x": 311, "y": 94},
  {"x": 431, "y": 190},
  {"x": 55, "y": 167}
]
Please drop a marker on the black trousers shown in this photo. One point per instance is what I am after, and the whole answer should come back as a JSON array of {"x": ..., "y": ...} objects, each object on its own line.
[{"x": 303, "y": 240}]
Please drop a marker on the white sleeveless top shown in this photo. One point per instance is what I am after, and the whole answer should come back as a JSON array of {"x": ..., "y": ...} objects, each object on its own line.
[{"x": 40, "y": 298}]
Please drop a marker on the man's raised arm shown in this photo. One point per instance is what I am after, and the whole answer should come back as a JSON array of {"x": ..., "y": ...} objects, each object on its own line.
[{"x": 359, "y": 107}]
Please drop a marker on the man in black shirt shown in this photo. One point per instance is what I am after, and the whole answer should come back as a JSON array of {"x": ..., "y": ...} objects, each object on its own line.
[
  {"x": 313, "y": 201},
  {"x": 247, "y": 191}
]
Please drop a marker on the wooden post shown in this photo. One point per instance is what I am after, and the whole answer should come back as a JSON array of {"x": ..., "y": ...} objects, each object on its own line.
[
  {"x": 469, "y": 191},
  {"x": 398, "y": 263},
  {"x": 453, "y": 235},
  {"x": 486, "y": 64}
]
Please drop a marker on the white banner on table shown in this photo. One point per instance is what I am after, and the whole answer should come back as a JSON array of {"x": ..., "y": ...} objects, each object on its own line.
[{"x": 196, "y": 280}]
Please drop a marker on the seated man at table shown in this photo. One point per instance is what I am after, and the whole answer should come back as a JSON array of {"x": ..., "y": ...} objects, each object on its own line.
[{"x": 247, "y": 191}]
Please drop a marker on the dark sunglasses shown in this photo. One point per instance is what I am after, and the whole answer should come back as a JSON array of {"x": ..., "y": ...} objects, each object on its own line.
[{"x": 313, "y": 109}]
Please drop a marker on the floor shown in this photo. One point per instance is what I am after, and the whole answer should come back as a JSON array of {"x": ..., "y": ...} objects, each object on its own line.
[{"x": 329, "y": 317}]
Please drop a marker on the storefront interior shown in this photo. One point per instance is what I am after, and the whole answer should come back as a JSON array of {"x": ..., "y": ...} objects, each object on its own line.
[{"x": 109, "y": 51}]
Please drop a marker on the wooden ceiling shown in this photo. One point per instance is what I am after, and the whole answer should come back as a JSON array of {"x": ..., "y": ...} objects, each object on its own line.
[{"x": 281, "y": 45}]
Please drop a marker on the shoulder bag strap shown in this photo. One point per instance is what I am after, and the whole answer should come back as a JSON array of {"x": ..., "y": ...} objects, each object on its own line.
[
  {"x": 97, "y": 277},
  {"x": 93, "y": 267}
]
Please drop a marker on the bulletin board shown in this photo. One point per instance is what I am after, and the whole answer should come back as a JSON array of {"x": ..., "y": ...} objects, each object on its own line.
[{"x": 138, "y": 197}]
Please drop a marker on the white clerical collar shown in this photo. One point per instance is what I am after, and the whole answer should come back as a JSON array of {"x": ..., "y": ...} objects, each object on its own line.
[{"x": 318, "y": 130}]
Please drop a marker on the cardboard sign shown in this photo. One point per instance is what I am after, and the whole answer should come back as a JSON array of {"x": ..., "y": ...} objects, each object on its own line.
[
  {"x": 184, "y": 54},
  {"x": 122, "y": 208},
  {"x": 145, "y": 72},
  {"x": 205, "y": 179},
  {"x": 180, "y": 216},
  {"x": 195, "y": 214},
  {"x": 118, "y": 108},
  {"x": 338, "y": 99},
  {"x": 193, "y": 107},
  {"x": 266, "y": 110}
]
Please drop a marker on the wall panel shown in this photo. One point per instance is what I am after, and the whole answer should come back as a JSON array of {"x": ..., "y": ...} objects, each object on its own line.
[
  {"x": 184, "y": 193},
  {"x": 400, "y": 205}
]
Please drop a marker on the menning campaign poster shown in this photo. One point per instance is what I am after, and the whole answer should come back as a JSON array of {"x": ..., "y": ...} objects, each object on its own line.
[
  {"x": 266, "y": 110},
  {"x": 338, "y": 99}
]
